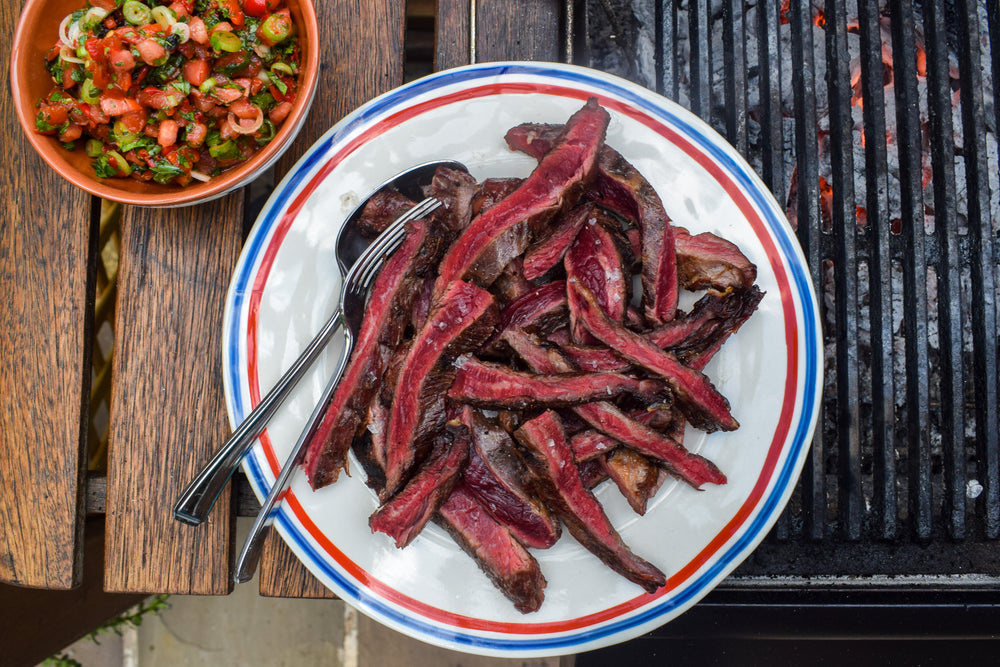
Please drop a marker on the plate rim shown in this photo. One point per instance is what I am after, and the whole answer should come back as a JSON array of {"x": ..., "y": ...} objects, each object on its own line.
[{"x": 805, "y": 307}]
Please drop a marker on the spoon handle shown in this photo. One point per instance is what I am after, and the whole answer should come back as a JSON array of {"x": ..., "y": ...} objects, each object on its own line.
[
  {"x": 246, "y": 563},
  {"x": 198, "y": 498}
]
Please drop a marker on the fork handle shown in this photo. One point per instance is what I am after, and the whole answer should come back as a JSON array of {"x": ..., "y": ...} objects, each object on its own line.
[
  {"x": 249, "y": 556},
  {"x": 198, "y": 498}
]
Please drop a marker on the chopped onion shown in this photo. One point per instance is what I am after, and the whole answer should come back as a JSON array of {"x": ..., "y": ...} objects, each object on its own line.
[
  {"x": 238, "y": 126},
  {"x": 262, "y": 76},
  {"x": 164, "y": 16},
  {"x": 63, "y": 34},
  {"x": 68, "y": 55},
  {"x": 181, "y": 30},
  {"x": 262, "y": 50},
  {"x": 198, "y": 176}
]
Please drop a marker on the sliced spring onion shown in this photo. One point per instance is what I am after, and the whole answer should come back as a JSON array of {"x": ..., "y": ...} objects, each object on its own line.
[
  {"x": 207, "y": 85},
  {"x": 223, "y": 40},
  {"x": 94, "y": 147},
  {"x": 283, "y": 67},
  {"x": 120, "y": 163},
  {"x": 181, "y": 30},
  {"x": 66, "y": 53},
  {"x": 245, "y": 126},
  {"x": 136, "y": 13},
  {"x": 89, "y": 93},
  {"x": 164, "y": 16}
]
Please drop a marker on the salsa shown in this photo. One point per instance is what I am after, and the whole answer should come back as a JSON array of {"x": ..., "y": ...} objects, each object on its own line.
[{"x": 174, "y": 91}]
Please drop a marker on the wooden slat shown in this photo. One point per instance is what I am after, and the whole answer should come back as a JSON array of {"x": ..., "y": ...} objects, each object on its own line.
[
  {"x": 371, "y": 66},
  {"x": 518, "y": 30},
  {"x": 167, "y": 412},
  {"x": 451, "y": 34},
  {"x": 46, "y": 275},
  {"x": 38, "y": 623}
]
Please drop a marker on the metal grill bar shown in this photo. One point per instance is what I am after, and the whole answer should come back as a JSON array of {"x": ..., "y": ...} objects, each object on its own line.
[
  {"x": 846, "y": 269},
  {"x": 984, "y": 319},
  {"x": 809, "y": 234},
  {"x": 734, "y": 73},
  {"x": 952, "y": 412},
  {"x": 701, "y": 58},
  {"x": 880, "y": 271}
]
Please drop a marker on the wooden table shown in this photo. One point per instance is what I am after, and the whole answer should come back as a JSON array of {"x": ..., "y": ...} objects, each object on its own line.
[{"x": 166, "y": 405}]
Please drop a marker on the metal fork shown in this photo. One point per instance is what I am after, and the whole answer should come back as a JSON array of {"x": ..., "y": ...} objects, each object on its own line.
[{"x": 352, "y": 309}]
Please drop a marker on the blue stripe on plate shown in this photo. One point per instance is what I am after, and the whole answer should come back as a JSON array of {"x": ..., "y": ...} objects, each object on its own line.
[{"x": 750, "y": 185}]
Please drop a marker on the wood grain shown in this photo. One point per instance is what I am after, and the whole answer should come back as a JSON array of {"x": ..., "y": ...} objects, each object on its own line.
[
  {"x": 451, "y": 35},
  {"x": 47, "y": 264},
  {"x": 167, "y": 412},
  {"x": 363, "y": 49},
  {"x": 518, "y": 30}
]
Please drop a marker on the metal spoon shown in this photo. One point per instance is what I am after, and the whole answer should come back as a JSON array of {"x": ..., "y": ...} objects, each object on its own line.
[{"x": 198, "y": 498}]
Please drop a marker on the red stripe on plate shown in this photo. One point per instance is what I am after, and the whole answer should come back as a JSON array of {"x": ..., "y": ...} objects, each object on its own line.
[{"x": 774, "y": 452}]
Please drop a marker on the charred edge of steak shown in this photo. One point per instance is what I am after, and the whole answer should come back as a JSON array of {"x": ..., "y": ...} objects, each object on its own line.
[
  {"x": 387, "y": 315},
  {"x": 659, "y": 417},
  {"x": 637, "y": 477},
  {"x": 456, "y": 189},
  {"x": 503, "y": 559},
  {"x": 599, "y": 259},
  {"x": 490, "y": 385},
  {"x": 539, "y": 311},
  {"x": 382, "y": 208},
  {"x": 550, "y": 249},
  {"x": 592, "y": 473},
  {"x": 462, "y": 319},
  {"x": 621, "y": 188},
  {"x": 503, "y": 231},
  {"x": 557, "y": 480},
  {"x": 495, "y": 475},
  {"x": 706, "y": 261},
  {"x": 590, "y": 444},
  {"x": 701, "y": 403},
  {"x": 740, "y": 305},
  {"x": 405, "y": 514},
  {"x": 492, "y": 191}
]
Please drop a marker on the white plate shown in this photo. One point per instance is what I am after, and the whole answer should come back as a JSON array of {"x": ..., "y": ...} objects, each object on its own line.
[{"x": 286, "y": 283}]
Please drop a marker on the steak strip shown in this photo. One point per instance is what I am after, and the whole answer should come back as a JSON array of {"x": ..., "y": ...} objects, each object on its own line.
[
  {"x": 386, "y": 317},
  {"x": 539, "y": 311},
  {"x": 706, "y": 261},
  {"x": 503, "y": 231},
  {"x": 549, "y": 251},
  {"x": 557, "y": 480},
  {"x": 495, "y": 475},
  {"x": 404, "y": 516},
  {"x": 704, "y": 407},
  {"x": 637, "y": 477},
  {"x": 460, "y": 322},
  {"x": 619, "y": 187},
  {"x": 605, "y": 417},
  {"x": 599, "y": 259},
  {"x": 496, "y": 386},
  {"x": 508, "y": 565}
]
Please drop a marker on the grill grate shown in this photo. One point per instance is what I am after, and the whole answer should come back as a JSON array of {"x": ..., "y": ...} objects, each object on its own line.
[{"x": 876, "y": 123}]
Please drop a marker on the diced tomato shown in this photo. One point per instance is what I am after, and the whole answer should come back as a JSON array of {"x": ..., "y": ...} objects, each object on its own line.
[
  {"x": 244, "y": 109},
  {"x": 167, "y": 135},
  {"x": 67, "y": 77},
  {"x": 95, "y": 49},
  {"x": 235, "y": 12},
  {"x": 71, "y": 133},
  {"x": 198, "y": 31},
  {"x": 258, "y": 8},
  {"x": 121, "y": 60},
  {"x": 131, "y": 35},
  {"x": 53, "y": 114},
  {"x": 151, "y": 51},
  {"x": 280, "y": 112},
  {"x": 196, "y": 133},
  {"x": 135, "y": 121},
  {"x": 107, "y": 5},
  {"x": 182, "y": 7},
  {"x": 226, "y": 95},
  {"x": 196, "y": 71},
  {"x": 113, "y": 103},
  {"x": 159, "y": 99}
]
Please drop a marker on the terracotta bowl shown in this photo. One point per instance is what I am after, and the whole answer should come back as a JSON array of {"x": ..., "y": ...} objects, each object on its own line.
[{"x": 37, "y": 30}]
